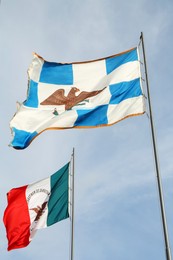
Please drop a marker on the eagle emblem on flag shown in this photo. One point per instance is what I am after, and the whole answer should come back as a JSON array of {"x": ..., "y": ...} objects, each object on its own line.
[
  {"x": 39, "y": 211},
  {"x": 59, "y": 98}
]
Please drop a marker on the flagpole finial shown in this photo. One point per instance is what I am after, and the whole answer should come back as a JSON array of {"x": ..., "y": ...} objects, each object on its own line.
[{"x": 141, "y": 36}]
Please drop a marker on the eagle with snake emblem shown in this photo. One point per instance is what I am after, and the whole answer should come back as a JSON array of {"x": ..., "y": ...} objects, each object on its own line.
[{"x": 39, "y": 210}]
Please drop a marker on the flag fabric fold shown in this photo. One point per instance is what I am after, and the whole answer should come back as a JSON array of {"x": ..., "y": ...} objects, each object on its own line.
[
  {"x": 78, "y": 95},
  {"x": 36, "y": 206}
]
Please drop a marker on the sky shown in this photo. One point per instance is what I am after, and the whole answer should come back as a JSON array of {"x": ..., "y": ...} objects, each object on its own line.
[{"x": 117, "y": 211}]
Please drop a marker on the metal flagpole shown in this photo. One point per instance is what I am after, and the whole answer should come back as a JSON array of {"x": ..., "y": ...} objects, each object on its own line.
[
  {"x": 159, "y": 184},
  {"x": 72, "y": 210}
]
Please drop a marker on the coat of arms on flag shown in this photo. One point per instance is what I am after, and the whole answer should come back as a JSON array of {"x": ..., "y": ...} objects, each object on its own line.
[{"x": 78, "y": 95}]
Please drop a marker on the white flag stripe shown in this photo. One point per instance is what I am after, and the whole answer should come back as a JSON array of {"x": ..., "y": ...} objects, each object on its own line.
[
  {"x": 88, "y": 75},
  {"x": 36, "y": 194},
  {"x": 132, "y": 106},
  {"x": 35, "y": 68},
  {"x": 126, "y": 72},
  {"x": 42, "y": 119}
]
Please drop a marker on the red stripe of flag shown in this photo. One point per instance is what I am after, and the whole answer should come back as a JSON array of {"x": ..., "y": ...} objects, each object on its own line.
[{"x": 16, "y": 219}]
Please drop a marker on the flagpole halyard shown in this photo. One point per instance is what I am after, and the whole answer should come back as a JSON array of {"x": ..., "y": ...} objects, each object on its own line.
[{"x": 159, "y": 184}]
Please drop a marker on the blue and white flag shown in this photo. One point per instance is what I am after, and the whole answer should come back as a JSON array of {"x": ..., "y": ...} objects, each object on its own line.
[{"x": 78, "y": 95}]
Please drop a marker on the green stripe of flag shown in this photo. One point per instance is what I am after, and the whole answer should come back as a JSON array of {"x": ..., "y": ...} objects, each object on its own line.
[{"x": 58, "y": 201}]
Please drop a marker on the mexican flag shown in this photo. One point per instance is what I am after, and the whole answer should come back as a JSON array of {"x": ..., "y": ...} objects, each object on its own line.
[{"x": 36, "y": 206}]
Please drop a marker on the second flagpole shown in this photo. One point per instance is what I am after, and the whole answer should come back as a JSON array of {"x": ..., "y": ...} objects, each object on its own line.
[{"x": 159, "y": 184}]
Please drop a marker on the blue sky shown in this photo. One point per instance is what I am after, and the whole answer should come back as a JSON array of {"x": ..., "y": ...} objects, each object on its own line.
[{"x": 117, "y": 214}]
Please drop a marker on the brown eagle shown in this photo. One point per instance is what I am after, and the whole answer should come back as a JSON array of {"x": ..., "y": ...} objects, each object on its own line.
[
  {"x": 39, "y": 210},
  {"x": 59, "y": 98}
]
